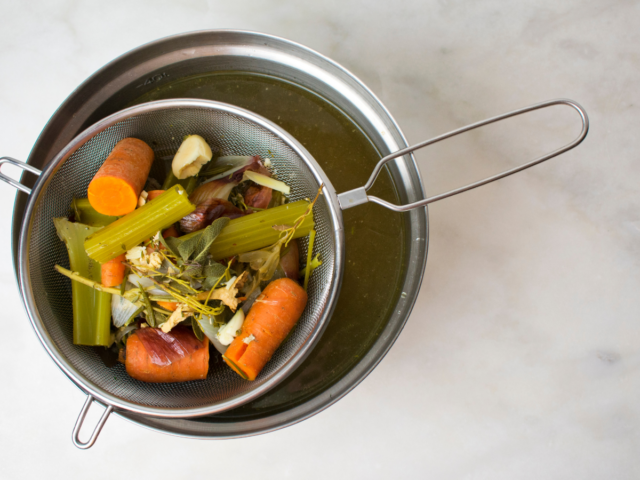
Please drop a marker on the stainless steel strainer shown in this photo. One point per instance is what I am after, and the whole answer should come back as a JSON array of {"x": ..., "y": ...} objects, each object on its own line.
[{"x": 234, "y": 131}]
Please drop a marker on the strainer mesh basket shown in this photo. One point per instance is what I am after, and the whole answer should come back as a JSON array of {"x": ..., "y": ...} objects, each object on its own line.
[{"x": 163, "y": 125}]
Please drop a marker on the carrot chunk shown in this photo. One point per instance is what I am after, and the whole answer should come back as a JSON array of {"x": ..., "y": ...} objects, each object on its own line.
[
  {"x": 182, "y": 359},
  {"x": 170, "y": 232},
  {"x": 153, "y": 194},
  {"x": 113, "y": 271},
  {"x": 115, "y": 188},
  {"x": 270, "y": 319},
  {"x": 171, "y": 306}
]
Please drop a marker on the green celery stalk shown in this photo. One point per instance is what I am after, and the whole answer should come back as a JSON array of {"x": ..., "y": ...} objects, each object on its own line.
[
  {"x": 139, "y": 225},
  {"x": 256, "y": 231},
  {"x": 91, "y": 308},
  {"x": 88, "y": 215}
]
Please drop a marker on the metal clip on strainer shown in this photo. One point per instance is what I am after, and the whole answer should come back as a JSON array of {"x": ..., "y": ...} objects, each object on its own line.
[{"x": 232, "y": 131}]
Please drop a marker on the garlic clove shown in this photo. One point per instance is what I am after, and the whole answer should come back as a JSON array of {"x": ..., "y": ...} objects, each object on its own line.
[
  {"x": 193, "y": 153},
  {"x": 228, "y": 332}
]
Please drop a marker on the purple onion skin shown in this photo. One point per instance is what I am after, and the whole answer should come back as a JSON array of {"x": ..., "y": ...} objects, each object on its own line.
[
  {"x": 290, "y": 261},
  {"x": 258, "y": 197},
  {"x": 206, "y": 213}
]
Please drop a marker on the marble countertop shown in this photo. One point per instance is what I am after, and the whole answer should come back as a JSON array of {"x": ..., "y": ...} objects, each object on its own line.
[{"x": 521, "y": 359}]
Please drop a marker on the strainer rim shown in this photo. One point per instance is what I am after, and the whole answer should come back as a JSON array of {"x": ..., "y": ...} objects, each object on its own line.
[{"x": 289, "y": 366}]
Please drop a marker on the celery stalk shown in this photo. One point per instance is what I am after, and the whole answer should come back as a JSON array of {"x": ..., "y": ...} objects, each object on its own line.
[
  {"x": 139, "y": 225},
  {"x": 256, "y": 231},
  {"x": 88, "y": 215},
  {"x": 91, "y": 308}
]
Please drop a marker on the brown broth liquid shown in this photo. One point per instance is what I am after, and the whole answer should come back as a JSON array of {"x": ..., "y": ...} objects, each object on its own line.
[{"x": 374, "y": 235}]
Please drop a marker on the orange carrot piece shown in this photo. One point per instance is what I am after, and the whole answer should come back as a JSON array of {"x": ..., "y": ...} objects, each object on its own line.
[
  {"x": 194, "y": 366},
  {"x": 153, "y": 194},
  {"x": 170, "y": 232},
  {"x": 113, "y": 271},
  {"x": 270, "y": 319},
  {"x": 116, "y": 187},
  {"x": 171, "y": 306}
]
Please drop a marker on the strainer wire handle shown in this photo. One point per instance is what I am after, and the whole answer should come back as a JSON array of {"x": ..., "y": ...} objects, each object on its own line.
[
  {"x": 75, "y": 437},
  {"x": 23, "y": 166},
  {"x": 359, "y": 196}
]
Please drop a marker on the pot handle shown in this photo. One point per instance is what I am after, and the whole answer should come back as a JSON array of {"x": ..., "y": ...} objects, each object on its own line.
[
  {"x": 359, "y": 196},
  {"x": 75, "y": 437},
  {"x": 23, "y": 166}
]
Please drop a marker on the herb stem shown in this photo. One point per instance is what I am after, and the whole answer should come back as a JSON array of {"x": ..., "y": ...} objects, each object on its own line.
[
  {"x": 90, "y": 283},
  {"x": 307, "y": 271}
]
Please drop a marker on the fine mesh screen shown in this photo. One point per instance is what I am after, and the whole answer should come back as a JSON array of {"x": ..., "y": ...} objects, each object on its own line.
[{"x": 163, "y": 130}]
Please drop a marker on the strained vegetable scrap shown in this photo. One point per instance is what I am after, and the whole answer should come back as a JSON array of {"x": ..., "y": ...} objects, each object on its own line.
[
  {"x": 159, "y": 276},
  {"x": 91, "y": 307},
  {"x": 115, "y": 188},
  {"x": 269, "y": 321}
]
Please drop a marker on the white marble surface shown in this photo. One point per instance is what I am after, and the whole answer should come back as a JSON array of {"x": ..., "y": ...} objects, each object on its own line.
[{"x": 522, "y": 357}]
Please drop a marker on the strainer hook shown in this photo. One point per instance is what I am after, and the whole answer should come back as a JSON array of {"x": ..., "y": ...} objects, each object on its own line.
[
  {"x": 96, "y": 431},
  {"x": 359, "y": 196},
  {"x": 23, "y": 166}
]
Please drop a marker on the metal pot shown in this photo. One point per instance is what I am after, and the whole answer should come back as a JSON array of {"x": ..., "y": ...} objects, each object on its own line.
[
  {"x": 118, "y": 84},
  {"x": 128, "y": 77}
]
